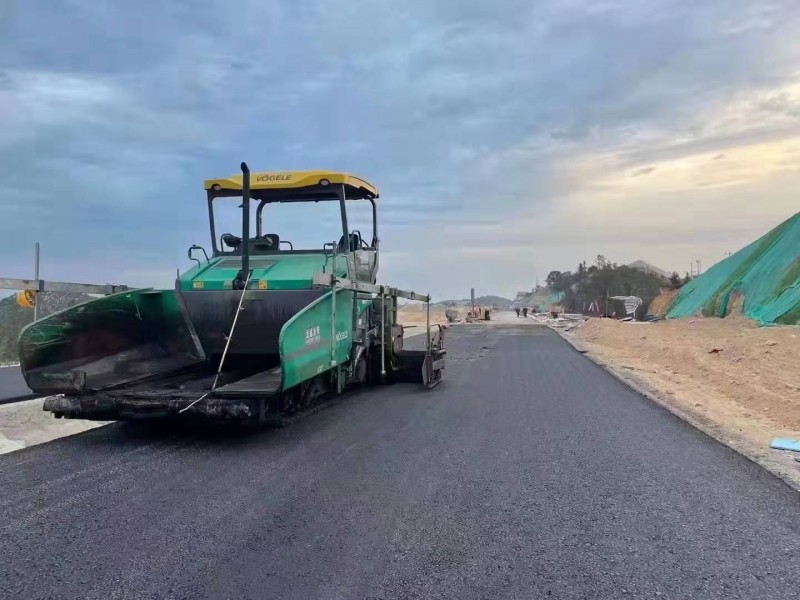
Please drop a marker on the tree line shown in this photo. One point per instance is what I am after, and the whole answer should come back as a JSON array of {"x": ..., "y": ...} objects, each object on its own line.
[{"x": 591, "y": 286}]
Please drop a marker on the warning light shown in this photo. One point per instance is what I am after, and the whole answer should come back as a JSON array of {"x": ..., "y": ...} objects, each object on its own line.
[{"x": 26, "y": 298}]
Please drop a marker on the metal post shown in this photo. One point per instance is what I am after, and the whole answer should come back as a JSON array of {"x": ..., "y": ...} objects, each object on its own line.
[
  {"x": 383, "y": 333},
  {"x": 333, "y": 309},
  {"x": 36, "y": 277},
  {"x": 343, "y": 210},
  {"x": 345, "y": 231},
  {"x": 374, "y": 223},
  {"x": 428, "y": 323},
  {"x": 260, "y": 219},
  {"x": 212, "y": 228},
  {"x": 333, "y": 325}
]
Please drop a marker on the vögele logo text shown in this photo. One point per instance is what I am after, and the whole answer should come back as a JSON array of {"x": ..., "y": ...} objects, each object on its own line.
[{"x": 277, "y": 177}]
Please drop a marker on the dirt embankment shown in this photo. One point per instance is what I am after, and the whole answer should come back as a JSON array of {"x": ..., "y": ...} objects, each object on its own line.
[
  {"x": 738, "y": 381},
  {"x": 661, "y": 303},
  {"x": 414, "y": 314}
]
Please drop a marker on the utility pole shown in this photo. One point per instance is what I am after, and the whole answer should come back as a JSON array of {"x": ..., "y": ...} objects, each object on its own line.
[{"x": 36, "y": 277}]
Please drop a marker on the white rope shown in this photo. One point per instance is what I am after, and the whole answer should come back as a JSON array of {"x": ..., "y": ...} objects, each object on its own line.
[
  {"x": 225, "y": 351},
  {"x": 193, "y": 403}
]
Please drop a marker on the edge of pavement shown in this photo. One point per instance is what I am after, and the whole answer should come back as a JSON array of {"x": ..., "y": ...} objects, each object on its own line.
[
  {"x": 23, "y": 424},
  {"x": 785, "y": 469}
]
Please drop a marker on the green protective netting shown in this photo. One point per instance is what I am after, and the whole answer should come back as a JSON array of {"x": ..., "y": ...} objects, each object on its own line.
[
  {"x": 766, "y": 274},
  {"x": 543, "y": 299}
]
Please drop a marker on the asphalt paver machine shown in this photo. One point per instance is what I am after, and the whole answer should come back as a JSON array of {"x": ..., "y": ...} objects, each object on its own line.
[{"x": 256, "y": 331}]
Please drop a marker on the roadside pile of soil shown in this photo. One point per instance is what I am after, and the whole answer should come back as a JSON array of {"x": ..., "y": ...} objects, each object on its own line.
[
  {"x": 414, "y": 313},
  {"x": 740, "y": 380}
]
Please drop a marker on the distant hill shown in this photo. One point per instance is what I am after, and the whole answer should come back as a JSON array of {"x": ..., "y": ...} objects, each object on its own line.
[
  {"x": 487, "y": 300},
  {"x": 641, "y": 265},
  {"x": 13, "y": 318}
]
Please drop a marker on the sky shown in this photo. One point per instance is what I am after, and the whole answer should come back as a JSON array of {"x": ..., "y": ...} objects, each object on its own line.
[{"x": 507, "y": 139}]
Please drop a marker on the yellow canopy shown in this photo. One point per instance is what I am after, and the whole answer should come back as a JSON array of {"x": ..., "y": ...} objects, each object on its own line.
[{"x": 288, "y": 180}]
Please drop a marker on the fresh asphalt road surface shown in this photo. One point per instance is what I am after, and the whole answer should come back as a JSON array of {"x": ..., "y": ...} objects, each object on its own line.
[
  {"x": 529, "y": 473},
  {"x": 12, "y": 385}
]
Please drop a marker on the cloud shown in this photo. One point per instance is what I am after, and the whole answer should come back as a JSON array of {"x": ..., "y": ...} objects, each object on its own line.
[
  {"x": 507, "y": 140},
  {"x": 33, "y": 100},
  {"x": 643, "y": 171}
]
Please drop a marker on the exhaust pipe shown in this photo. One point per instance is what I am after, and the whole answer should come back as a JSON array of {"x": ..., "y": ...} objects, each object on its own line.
[{"x": 241, "y": 278}]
